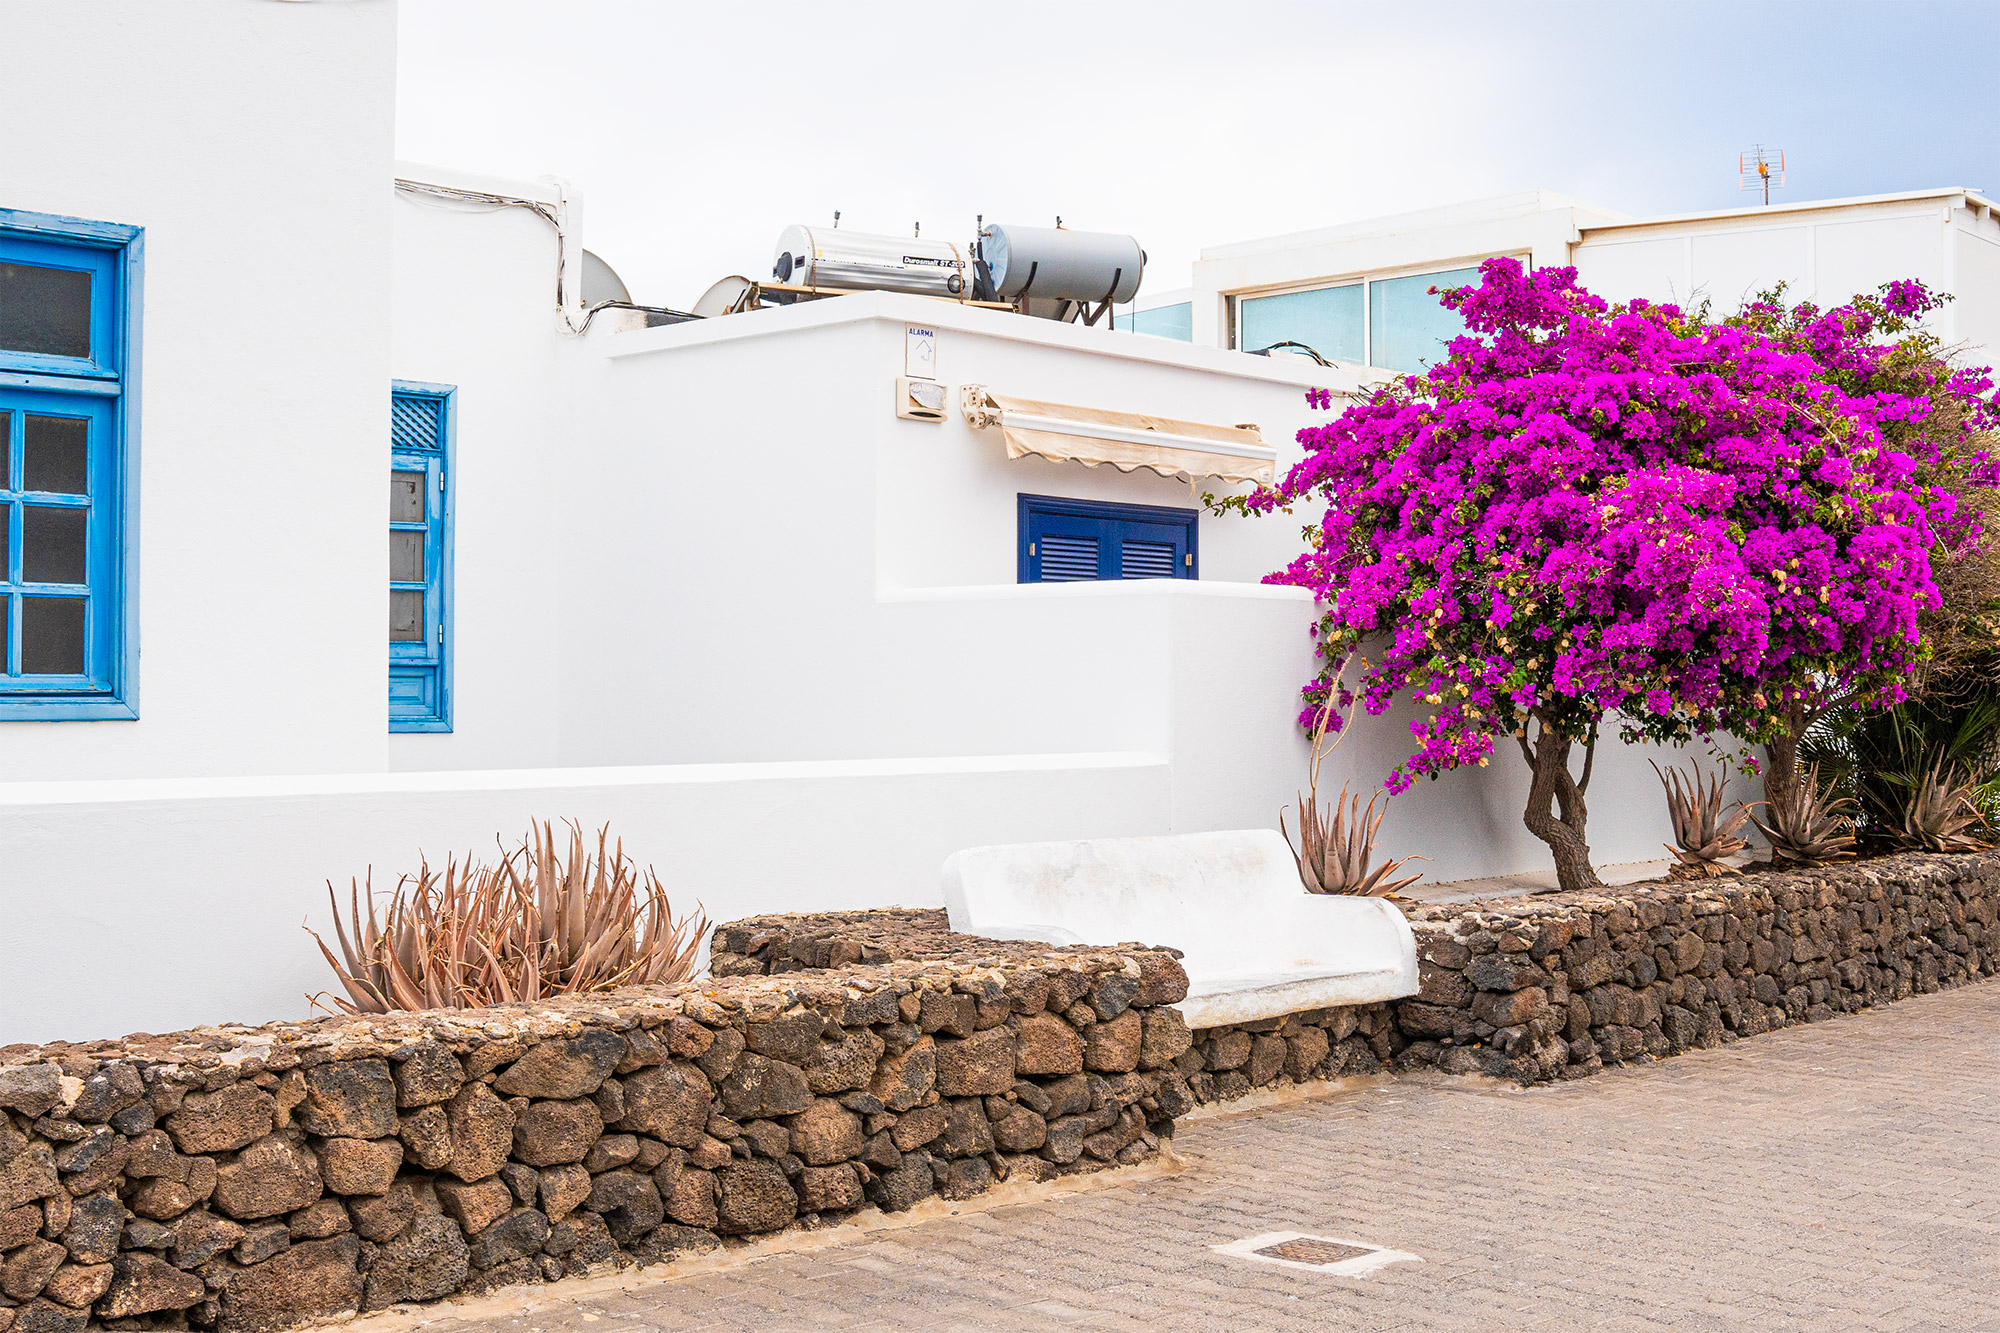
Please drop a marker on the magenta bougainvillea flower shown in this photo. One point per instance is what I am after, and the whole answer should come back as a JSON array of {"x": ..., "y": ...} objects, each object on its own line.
[{"x": 1590, "y": 509}]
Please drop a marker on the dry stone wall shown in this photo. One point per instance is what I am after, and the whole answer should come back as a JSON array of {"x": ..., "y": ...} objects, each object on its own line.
[
  {"x": 253, "y": 1178},
  {"x": 1558, "y": 985},
  {"x": 246, "y": 1179}
]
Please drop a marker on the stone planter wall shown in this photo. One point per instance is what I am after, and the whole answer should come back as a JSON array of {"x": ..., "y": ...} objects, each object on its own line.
[
  {"x": 1558, "y": 985},
  {"x": 254, "y": 1178}
]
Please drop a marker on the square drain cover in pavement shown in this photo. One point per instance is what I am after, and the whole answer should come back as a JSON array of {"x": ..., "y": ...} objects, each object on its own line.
[
  {"x": 1317, "y": 1254},
  {"x": 1312, "y": 1250}
]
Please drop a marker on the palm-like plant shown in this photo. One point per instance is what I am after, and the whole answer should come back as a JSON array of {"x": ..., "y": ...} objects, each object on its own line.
[
  {"x": 1703, "y": 832},
  {"x": 1334, "y": 850},
  {"x": 1808, "y": 827},
  {"x": 536, "y": 925}
]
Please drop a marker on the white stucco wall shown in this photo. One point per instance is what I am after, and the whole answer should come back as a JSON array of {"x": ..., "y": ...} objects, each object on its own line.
[
  {"x": 252, "y": 141},
  {"x": 771, "y": 509},
  {"x": 473, "y": 306}
]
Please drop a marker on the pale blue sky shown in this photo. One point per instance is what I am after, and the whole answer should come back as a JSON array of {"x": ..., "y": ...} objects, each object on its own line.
[{"x": 696, "y": 132}]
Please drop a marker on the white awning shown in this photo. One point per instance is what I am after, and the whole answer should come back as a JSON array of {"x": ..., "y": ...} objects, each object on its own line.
[{"x": 1126, "y": 440}]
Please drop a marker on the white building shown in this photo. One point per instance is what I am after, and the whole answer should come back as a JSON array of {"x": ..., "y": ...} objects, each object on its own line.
[
  {"x": 1359, "y": 293},
  {"x": 700, "y": 581}
]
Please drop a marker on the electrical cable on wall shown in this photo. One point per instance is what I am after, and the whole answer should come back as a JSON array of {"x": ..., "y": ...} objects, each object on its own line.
[{"x": 553, "y": 214}]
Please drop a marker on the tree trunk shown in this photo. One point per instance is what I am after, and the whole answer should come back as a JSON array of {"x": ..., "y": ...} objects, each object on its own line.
[
  {"x": 1781, "y": 761},
  {"x": 1556, "y": 811}
]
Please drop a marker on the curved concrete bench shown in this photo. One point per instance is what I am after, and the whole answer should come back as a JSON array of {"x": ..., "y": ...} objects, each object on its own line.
[{"x": 1255, "y": 943}]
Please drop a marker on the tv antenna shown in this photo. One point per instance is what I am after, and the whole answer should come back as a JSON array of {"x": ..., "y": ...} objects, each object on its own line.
[{"x": 1759, "y": 168}]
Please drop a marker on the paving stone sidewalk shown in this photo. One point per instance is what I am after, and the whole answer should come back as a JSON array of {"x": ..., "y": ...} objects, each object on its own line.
[{"x": 1839, "y": 1175}]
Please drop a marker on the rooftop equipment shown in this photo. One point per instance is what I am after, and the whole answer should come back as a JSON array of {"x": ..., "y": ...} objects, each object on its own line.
[
  {"x": 1060, "y": 274},
  {"x": 821, "y": 258},
  {"x": 1046, "y": 272}
]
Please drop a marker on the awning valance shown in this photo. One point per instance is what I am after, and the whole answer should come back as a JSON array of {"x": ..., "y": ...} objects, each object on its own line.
[{"x": 1125, "y": 440}]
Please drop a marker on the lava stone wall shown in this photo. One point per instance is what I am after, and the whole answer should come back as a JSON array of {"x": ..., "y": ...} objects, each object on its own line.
[
  {"x": 254, "y": 1178},
  {"x": 1558, "y": 985},
  {"x": 1562, "y": 985}
]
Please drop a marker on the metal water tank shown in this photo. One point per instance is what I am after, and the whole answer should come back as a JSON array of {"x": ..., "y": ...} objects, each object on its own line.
[
  {"x": 1058, "y": 264},
  {"x": 829, "y": 257}
]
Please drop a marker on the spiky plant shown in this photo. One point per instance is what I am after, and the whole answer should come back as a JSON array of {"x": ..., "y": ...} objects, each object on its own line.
[
  {"x": 1807, "y": 827},
  {"x": 1703, "y": 832},
  {"x": 536, "y": 925},
  {"x": 1333, "y": 851},
  {"x": 1940, "y": 813},
  {"x": 1333, "y": 854}
]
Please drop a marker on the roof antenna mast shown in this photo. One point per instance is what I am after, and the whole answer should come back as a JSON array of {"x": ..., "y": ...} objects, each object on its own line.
[{"x": 1759, "y": 168}]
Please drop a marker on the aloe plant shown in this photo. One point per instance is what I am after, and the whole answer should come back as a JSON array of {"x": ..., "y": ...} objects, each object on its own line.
[
  {"x": 536, "y": 925},
  {"x": 1334, "y": 850},
  {"x": 1939, "y": 813},
  {"x": 1704, "y": 832},
  {"x": 1806, "y": 827}
]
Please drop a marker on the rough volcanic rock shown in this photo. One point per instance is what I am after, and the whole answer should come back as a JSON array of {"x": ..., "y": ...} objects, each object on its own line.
[
  {"x": 352, "y": 1099},
  {"x": 669, "y": 1102},
  {"x": 425, "y": 1263},
  {"x": 308, "y": 1283},
  {"x": 826, "y": 1132},
  {"x": 482, "y": 1132},
  {"x": 222, "y": 1121},
  {"x": 561, "y": 1070},
  {"x": 359, "y": 1166},
  {"x": 273, "y": 1175},
  {"x": 980, "y": 1063},
  {"x": 430, "y": 1075},
  {"x": 760, "y": 1086},
  {"x": 755, "y": 1197},
  {"x": 550, "y": 1133}
]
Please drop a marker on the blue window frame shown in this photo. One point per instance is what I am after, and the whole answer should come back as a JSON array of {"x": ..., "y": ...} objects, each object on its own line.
[
  {"x": 421, "y": 439},
  {"x": 69, "y": 375},
  {"x": 1071, "y": 541}
]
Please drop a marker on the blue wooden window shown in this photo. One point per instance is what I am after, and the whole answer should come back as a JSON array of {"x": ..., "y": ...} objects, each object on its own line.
[
  {"x": 1068, "y": 541},
  {"x": 420, "y": 481},
  {"x": 69, "y": 308}
]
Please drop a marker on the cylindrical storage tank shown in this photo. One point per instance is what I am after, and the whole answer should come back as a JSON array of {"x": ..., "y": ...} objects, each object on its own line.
[
  {"x": 1062, "y": 265},
  {"x": 828, "y": 257}
]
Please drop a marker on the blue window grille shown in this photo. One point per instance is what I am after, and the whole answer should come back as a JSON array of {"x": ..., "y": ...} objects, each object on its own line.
[
  {"x": 1071, "y": 541},
  {"x": 420, "y": 455},
  {"x": 69, "y": 373}
]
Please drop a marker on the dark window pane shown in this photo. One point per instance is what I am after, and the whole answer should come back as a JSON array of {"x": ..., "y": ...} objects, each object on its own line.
[
  {"x": 406, "y": 617},
  {"x": 52, "y": 636},
  {"x": 406, "y": 497},
  {"x": 56, "y": 454},
  {"x": 406, "y": 557},
  {"x": 6, "y": 631},
  {"x": 6, "y": 545},
  {"x": 44, "y": 310},
  {"x": 52, "y": 544}
]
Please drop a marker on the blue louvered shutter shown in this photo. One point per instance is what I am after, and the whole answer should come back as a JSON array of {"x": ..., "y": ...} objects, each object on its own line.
[{"x": 1070, "y": 541}]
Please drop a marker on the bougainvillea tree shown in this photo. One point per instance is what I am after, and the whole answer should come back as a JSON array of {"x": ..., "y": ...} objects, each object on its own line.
[
  {"x": 1589, "y": 511},
  {"x": 1933, "y": 418}
]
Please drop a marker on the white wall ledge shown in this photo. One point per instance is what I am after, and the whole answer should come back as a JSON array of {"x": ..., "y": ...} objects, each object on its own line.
[
  {"x": 1136, "y": 590},
  {"x": 113, "y": 791},
  {"x": 899, "y": 308}
]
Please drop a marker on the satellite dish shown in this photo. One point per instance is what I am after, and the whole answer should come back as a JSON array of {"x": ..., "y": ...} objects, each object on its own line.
[
  {"x": 601, "y": 282},
  {"x": 724, "y": 298}
]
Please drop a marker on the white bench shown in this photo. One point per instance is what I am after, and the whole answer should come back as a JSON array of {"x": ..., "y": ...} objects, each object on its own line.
[{"x": 1255, "y": 944}]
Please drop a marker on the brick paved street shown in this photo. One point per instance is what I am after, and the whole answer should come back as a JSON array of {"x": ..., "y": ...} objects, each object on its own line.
[{"x": 1840, "y": 1175}]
